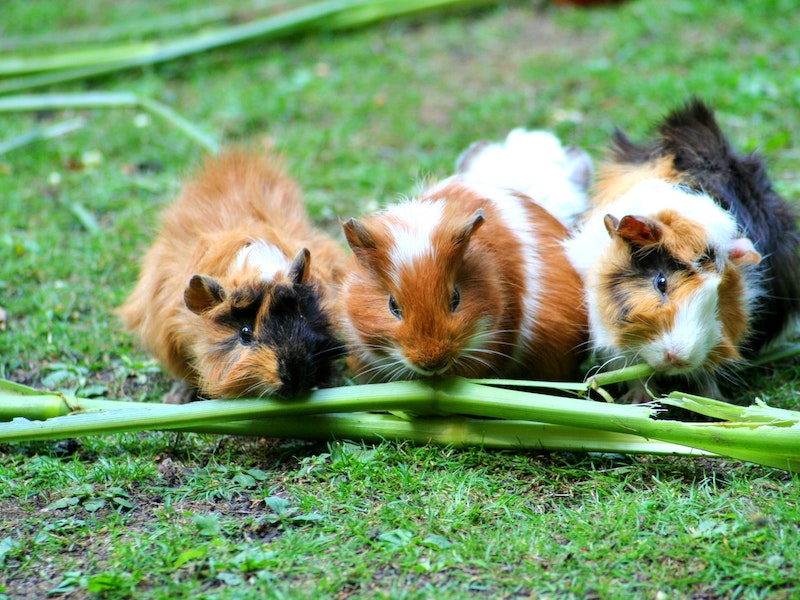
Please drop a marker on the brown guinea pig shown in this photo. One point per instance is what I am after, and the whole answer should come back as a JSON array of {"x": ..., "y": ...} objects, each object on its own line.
[
  {"x": 465, "y": 280},
  {"x": 235, "y": 296},
  {"x": 689, "y": 256}
]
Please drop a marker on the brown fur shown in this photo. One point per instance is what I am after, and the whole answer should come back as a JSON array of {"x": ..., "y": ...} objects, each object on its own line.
[
  {"x": 614, "y": 178},
  {"x": 234, "y": 199},
  {"x": 479, "y": 256}
]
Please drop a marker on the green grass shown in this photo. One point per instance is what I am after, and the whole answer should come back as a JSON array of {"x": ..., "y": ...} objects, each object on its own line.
[{"x": 362, "y": 116}]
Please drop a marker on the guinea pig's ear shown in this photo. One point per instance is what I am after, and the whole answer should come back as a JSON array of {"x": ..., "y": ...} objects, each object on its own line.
[
  {"x": 742, "y": 252},
  {"x": 298, "y": 271},
  {"x": 470, "y": 226},
  {"x": 360, "y": 240},
  {"x": 639, "y": 231},
  {"x": 203, "y": 293}
]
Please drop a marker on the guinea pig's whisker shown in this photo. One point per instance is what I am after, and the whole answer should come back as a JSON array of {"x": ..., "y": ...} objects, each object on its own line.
[
  {"x": 478, "y": 361},
  {"x": 487, "y": 351},
  {"x": 385, "y": 369}
]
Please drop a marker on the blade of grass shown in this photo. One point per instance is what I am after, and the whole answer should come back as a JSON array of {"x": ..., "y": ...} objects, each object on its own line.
[
  {"x": 39, "y": 102},
  {"x": 306, "y": 19},
  {"x": 779, "y": 353},
  {"x": 42, "y": 133},
  {"x": 138, "y": 28}
]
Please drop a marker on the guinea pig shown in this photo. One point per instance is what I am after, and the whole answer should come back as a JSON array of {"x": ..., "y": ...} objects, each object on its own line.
[
  {"x": 464, "y": 280},
  {"x": 688, "y": 256},
  {"x": 536, "y": 164},
  {"x": 229, "y": 299}
]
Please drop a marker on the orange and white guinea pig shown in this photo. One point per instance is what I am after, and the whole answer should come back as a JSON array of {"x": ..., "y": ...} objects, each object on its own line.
[
  {"x": 688, "y": 256},
  {"x": 467, "y": 280},
  {"x": 235, "y": 297}
]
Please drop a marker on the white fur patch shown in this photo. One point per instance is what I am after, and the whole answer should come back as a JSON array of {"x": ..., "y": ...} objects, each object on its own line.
[
  {"x": 265, "y": 257},
  {"x": 694, "y": 333},
  {"x": 603, "y": 340},
  {"x": 411, "y": 225},
  {"x": 536, "y": 164},
  {"x": 515, "y": 218}
]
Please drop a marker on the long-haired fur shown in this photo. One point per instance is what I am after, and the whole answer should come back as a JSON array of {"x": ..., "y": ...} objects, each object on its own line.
[
  {"x": 701, "y": 157},
  {"x": 688, "y": 254},
  {"x": 236, "y": 295}
]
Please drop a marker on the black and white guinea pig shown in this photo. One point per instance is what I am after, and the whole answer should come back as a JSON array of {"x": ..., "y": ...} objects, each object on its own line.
[{"x": 688, "y": 255}]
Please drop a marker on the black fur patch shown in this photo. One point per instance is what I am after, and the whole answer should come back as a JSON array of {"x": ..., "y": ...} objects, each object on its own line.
[
  {"x": 293, "y": 326},
  {"x": 642, "y": 270},
  {"x": 740, "y": 184},
  {"x": 301, "y": 335}
]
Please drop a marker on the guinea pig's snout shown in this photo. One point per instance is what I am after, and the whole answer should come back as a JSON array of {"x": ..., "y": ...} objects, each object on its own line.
[
  {"x": 432, "y": 362},
  {"x": 435, "y": 367},
  {"x": 295, "y": 377},
  {"x": 308, "y": 364},
  {"x": 674, "y": 361}
]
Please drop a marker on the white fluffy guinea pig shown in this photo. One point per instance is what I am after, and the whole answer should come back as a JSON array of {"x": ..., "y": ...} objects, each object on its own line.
[
  {"x": 466, "y": 279},
  {"x": 535, "y": 163}
]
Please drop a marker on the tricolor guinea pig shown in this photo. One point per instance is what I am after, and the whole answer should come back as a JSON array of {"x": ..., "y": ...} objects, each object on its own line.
[
  {"x": 688, "y": 256},
  {"x": 236, "y": 295},
  {"x": 465, "y": 280}
]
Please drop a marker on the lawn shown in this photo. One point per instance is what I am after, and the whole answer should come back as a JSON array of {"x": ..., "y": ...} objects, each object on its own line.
[{"x": 362, "y": 117}]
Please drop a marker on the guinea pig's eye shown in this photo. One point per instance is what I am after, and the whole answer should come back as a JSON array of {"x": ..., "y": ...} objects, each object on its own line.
[
  {"x": 394, "y": 308},
  {"x": 660, "y": 283},
  {"x": 455, "y": 300},
  {"x": 246, "y": 335}
]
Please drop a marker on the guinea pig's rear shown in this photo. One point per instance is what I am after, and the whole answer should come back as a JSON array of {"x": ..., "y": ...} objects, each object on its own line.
[{"x": 536, "y": 164}]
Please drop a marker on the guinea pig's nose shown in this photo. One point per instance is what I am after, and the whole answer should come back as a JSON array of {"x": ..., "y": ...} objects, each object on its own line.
[
  {"x": 295, "y": 379},
  {"x": 435, "y": 367},
  {"x": 674, "y": 361}
]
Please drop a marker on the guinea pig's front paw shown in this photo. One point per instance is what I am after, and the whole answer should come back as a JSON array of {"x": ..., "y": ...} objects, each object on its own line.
[
  {"x": 181, "y": 393},
  {"x": 637, "y": 393}
]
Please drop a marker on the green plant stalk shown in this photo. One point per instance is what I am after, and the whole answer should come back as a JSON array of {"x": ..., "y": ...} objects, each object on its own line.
[
  {"x": 42, "y": 133},
  {"x": 43, "y": 407},
  {"x": 776, "y": 444},
  {"x": 411, "y": 396},
  {"x": 328, "y": 14},
  {"x": 758, "y": 413},
  {"x": 744, "y": 441},
  {"x": 454, "y": 430},
  {"x": 362, "y": 13},
  {"x": 107, "y": 100},
  {"x": 639, "y": 371},
  {"x": 197, "y": 17}
]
